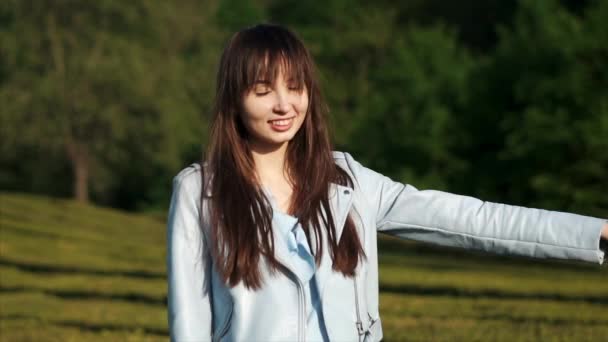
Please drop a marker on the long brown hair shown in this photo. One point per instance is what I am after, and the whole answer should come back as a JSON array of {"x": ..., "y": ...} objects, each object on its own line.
[{"x": 240, "y": 214}]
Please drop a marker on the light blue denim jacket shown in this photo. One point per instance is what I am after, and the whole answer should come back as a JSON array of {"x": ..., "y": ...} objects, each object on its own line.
[{"x": 202, "y": 308}]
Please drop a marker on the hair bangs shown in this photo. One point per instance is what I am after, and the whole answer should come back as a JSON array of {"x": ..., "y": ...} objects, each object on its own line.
[{"x": 278, "y": 56}]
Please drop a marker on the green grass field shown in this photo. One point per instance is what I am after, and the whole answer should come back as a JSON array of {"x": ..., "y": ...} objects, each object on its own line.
[{"x": 70, "y": 272}]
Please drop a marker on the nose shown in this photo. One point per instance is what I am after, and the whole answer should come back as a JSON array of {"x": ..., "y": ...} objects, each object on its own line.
[{"x": 283, "y": 101}]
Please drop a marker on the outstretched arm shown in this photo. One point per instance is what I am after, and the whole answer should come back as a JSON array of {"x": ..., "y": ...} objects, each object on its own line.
[{"x": 462, "y": 221}]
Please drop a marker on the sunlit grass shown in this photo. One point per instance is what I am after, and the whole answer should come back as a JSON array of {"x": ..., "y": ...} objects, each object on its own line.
[{"x": 73, "y": 272}]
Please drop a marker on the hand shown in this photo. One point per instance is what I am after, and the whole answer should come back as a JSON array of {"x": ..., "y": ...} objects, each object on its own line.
[{"x": 605, "y": 231}]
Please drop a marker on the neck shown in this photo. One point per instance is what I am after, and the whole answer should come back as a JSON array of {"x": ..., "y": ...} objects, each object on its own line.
[{"x": 269, "y": 161}]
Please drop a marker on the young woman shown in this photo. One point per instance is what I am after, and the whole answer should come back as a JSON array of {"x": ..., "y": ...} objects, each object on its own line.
[{"x": 273, "y": 237}]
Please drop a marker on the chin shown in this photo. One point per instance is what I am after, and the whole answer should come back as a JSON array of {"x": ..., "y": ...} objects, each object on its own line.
[{"x": 279, "y": 140}]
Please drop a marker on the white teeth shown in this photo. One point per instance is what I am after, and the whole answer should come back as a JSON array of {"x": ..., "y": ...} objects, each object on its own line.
[{"x": 281, "y": 122}]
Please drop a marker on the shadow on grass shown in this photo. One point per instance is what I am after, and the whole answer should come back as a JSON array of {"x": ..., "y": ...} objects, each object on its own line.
[
  {"x": 65, "y": 294},
  {"x": 492, "y": 294},
  {"x": 91, "y": 327},
  {"x": 537, "y": 320},
  {"x": 32, "y": 232},
  {"x": 41, "y": 268},
  {"x": 512, "y": 319}
]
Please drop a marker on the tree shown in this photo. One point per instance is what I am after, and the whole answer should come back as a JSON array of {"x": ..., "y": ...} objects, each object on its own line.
[
  {"x": 394, "y": 91},
  {"x": 106, "y": 83},
  {"x": 542, "y": 106}
]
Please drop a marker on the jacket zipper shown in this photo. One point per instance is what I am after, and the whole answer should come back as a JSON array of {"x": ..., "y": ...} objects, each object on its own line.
[
  {"x": 359, "y": 323},
  {"x": 301, "y": 306},
  {"x": 361, "y": 234},
  {"x": 301, "y": 312}
]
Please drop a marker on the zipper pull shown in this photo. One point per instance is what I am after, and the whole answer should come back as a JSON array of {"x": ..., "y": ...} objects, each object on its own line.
[{"x": 360, "y": 328}]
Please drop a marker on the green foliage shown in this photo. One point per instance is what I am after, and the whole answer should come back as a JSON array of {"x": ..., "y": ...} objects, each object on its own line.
[
  {"x": 393, "y": 90},
  {"x": 416, "y": 95},
  {"x": 110, "y": 78},
  {"x": 503, "y": 101},
  {"x": 233, "y": 15},
  {"x": 544, "y": 102}
]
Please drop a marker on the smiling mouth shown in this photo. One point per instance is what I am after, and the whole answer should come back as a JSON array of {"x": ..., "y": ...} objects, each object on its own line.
[
  {"x": 281, "y": 125},
  {"x": 281, "y": 122}
]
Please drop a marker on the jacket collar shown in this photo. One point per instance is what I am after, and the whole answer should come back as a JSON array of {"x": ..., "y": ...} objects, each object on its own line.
[{"x": 340, "y": 200}]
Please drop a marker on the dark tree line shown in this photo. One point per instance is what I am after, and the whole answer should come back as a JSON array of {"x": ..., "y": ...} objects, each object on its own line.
[{"x": 507, "y": 101}]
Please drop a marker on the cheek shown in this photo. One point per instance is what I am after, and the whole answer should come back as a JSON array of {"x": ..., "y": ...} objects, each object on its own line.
[
  {"x": 303, "y": 106},
  {"x": 253, "y": 111}
]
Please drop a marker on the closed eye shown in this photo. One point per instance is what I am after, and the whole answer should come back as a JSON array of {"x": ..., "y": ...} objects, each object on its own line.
[{"x": 261, "y": 88}]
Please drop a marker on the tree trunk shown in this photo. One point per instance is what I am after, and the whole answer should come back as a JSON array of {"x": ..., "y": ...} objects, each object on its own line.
[{"x": 79, "y": 157}]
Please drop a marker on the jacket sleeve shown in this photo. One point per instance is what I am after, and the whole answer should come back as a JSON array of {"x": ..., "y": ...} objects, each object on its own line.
[
  {"x": 461, "y": 221},
  {"x": 189, "y": 306}
]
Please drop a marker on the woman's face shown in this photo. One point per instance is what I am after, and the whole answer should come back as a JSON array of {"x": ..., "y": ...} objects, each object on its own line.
[{"x": 274, "y": 114}]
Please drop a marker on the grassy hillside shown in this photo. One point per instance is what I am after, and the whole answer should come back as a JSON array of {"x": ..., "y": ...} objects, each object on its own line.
[
  {"x": 74, "y": 272},
  {"x": 81, "y": 273}
]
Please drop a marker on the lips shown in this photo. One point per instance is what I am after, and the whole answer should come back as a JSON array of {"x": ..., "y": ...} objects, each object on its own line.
[{"x": 282, "y": 124}]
